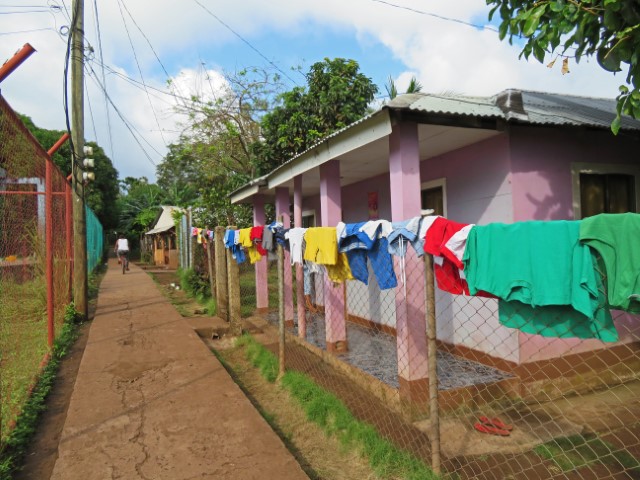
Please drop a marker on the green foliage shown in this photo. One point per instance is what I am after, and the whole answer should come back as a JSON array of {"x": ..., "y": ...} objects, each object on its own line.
[
  {"x": 336, "y": 96},
  {"x": 101, "y": 194},
  {"x": 192, "y": 283},
  {"x": 571, "y": 453},
  {"x": 332, "y": 415},
  {"x": 18, "y": 441},
  {"x": 608, "y": 29}
]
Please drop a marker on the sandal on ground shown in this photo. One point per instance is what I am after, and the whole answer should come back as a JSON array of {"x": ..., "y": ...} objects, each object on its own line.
[
  {"x": 495, "y": 422},
  {"x": 483, "y": 428}
]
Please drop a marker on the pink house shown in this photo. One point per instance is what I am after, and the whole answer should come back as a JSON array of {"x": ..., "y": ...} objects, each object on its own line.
[{"x": 515, "y": 156}]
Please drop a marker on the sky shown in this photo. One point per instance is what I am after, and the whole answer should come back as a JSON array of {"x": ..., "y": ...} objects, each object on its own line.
[{"x": 449, "y": 46}]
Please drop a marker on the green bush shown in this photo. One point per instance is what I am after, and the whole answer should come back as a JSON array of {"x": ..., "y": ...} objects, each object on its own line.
[{"x": 193, "y": 283}]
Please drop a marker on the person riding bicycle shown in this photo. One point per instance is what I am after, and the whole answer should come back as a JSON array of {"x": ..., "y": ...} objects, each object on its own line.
[{"x": 122, "y": 250}]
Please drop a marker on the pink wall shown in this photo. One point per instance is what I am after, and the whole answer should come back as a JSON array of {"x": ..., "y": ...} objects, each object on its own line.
[
  {"x": 542, "y": 190},
  {"x": 477, "y": 179},
  {"x": 541, "y": 162}
]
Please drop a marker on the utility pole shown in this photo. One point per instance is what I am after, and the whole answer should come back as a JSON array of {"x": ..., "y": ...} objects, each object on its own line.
[{"x": 80, "y": 284}]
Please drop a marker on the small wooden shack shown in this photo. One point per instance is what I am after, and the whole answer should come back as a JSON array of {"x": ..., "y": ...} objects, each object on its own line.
[{"x": 164, "y": 245}]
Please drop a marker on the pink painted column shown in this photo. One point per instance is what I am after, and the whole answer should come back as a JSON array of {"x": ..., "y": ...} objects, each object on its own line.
[
  {"x": 283, "y": 214},
  {"x": 334, "y": 301},
  {"x": 297, "y": 222},
  {"x": 262, "y": 287},
  {"x": 404, "y": 172}
]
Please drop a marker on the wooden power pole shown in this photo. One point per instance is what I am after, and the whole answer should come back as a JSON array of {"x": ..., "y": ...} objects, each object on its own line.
[{"x": 80, "y": 283}]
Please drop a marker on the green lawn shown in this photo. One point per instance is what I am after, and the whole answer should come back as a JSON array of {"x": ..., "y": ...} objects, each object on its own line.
[{"x": 23, "y": 344}]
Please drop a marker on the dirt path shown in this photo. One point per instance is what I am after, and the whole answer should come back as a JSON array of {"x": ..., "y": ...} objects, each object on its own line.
[{"x": 151, "y": 402}]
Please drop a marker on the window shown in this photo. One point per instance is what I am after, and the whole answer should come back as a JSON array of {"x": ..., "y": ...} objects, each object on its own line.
[
  {"x": 308, "y": 219},
  {"x": 606, "y": 193},
  {"x": 604, "y": 189},
  {"x": 434, "y": 195}
]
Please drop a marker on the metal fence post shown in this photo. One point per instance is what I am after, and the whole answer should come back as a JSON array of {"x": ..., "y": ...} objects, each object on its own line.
[
  {"x": 49, "y": 249},
  {"x": 432, "y": 359},
  {"x": 281, "y": 336}
]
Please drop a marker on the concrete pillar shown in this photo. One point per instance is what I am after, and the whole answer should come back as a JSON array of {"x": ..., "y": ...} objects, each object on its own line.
[
  {"x": 283, "y": 214},
  {"x": 222, "y": 287},
  {"x": 404, "y": 171},
  {"x": 262, "y": 287},
  {"x": 297, "y": 222},
  {"x": 334, "y": 300}
]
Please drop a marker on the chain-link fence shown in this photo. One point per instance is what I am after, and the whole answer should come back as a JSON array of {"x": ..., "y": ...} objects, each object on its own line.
[
  {"x": 36, "y": 242},
  {"x": 469, "y": 386}
]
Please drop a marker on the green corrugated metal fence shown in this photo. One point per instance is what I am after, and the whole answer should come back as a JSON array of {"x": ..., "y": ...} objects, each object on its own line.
[{"x": 95, "y": 240}]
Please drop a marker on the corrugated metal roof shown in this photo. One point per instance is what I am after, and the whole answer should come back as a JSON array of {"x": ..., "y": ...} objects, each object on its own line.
[
  {"x": 165, "y": 220},
  {"x": 528, "y": 107},
  {"x": 512, "y": 105}
]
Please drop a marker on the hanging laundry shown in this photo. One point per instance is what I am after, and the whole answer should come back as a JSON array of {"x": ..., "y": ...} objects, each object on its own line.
[
  {"x": 449, "y": 277},
  {"x": 322, "y": 245},
  {"x": 210, "y": 234},
  {"x": 296, "y": 239},
  {"x": 377, "y": 228},
  {"x": 256, "y": 238},
  {"x": 279, "y": 235},
  {"x": 230, "y": 242},
  {"x": 538, "y": 264},
  {"x": 340, "y": 271},
  {"x": 194, "y": 231},
  {"x": 403, "y": 233},
  {"x": 360, "y": 248},
  {"x": 615, "y": 238},
  {"x": 246, "y": 242}
]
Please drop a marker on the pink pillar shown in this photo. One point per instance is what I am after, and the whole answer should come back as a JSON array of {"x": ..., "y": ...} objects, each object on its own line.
[
  {"x": 262, "y": 287},
  {"x": 283, "y": 214},
  {"x": 404, "y": 171},
  {"x": 334, "y": 301},
  {"x": 297, "y": 222}
]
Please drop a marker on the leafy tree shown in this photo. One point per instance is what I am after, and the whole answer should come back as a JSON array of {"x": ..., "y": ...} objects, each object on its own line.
[
  {"x": 608, "y": 29},
  {"x": 100, "y": 194},
  {"x": 336, "y": 95}
]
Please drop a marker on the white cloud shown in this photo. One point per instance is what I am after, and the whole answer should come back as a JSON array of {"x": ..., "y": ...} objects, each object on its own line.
[{"x": 443, "y": 55}]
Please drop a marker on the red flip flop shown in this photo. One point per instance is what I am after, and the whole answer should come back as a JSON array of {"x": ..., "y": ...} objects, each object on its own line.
[
  {"x": 483, "y": 428},
  {"x": 495, "y": 422}
]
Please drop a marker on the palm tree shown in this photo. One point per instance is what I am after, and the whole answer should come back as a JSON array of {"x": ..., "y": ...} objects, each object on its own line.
[{"x": 414, "y": 87}]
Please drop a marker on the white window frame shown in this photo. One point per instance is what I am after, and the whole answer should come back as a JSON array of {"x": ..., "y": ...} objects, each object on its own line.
[
  {"x": 437, "y": 182},
  {"x": 600, "y": 169}
]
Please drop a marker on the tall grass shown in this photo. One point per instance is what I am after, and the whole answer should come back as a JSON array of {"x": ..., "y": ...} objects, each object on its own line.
[{"x": 332, "y": 415}]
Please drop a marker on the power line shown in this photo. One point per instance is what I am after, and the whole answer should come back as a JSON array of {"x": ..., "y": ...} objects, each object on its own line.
[
  {"x": 435, "y": 15},
  {"x": 93, "y": 123},
  {"x": 135, "y": 56},
  {"x": 247, "y": 42},
  {"x": 104, "y": 80},
  {"x": 127, "y": 124},
  {"x": 29, "y": 31},
  {"x": 147, "y": 39}
]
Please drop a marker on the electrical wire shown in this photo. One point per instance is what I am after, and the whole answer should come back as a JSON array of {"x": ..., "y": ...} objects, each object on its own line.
[
  {"x": 147, "y": 39},
  {"x": 128, "y": 124},
  {"x": 440, "y": 17},
  {"x": 96, "y": 19},
  {"x": 247, "y": 42},
  {"x": 65, "y": 98},
  {"x": 93, "y": 123},
  {"x": 135, "y": 56},
  {"x": 29, "y": 31}
]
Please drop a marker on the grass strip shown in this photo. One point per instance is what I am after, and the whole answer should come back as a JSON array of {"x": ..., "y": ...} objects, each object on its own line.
[
  {"x": 331, "y": 414},
  {"x": 576, "y": 451},
  {"x": 16, "y": 445}
]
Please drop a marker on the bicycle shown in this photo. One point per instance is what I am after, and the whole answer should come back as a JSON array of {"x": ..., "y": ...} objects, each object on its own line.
[{"x": 123, "y": 257}]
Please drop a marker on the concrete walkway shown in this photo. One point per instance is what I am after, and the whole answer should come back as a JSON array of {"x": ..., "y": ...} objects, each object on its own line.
[{"x": 151, "y": 402}]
